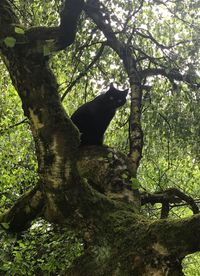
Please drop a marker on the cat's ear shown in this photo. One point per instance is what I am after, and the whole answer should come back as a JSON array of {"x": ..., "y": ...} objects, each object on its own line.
[
  {"x": 111, "y": 86},
  {"x": 126, "y": 92}
]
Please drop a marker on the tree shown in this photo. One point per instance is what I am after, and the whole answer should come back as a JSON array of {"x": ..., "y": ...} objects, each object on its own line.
[{"x": 93, "y": 191}]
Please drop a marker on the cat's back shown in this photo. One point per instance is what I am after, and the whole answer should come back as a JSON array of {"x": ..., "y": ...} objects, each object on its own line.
[{"x": 90, "y": 107}]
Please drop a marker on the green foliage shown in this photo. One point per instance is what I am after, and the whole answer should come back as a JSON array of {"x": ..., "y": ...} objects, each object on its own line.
[
  {"x": 19, "y": 30},
  {"x": 135, "y": 183},
  {"x": 17, "y": 159},
  {"x": 35, "y": 13},
  {"x": 43, "y": 250},
  {"x": 10, "y": 41},
  {"x": 5, "y": 225},
  {"x": 171, "y": 151},
  {"x": 191, "y": 265}
]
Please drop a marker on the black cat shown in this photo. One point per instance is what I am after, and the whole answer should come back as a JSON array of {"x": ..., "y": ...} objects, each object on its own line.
[{"x": 93, "y": 118}]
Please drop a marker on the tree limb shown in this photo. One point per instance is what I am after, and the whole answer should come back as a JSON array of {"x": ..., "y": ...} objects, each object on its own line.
[
  {"x": 169, "y": 196},
  {"x": 93, "y": 10},
  {"x": 63, "y": 35},
  {"x": 25, "y": 210},
  {"x": 60, "y": 37},
  {"x": 185, "y": 233},
  {"x": 170, "y": 74},
  {"x": 2, "y": 131},
  {"x": 69, "y": 18},
  {"x": 124, "y": 52}
]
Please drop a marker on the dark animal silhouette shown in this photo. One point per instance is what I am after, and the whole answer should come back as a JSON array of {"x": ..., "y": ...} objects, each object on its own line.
[{"x": 93, "y": 118}]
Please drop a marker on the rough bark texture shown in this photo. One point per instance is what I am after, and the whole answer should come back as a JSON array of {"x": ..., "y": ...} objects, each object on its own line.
[
  {"x": 87, "y": 189},
  {"x": 25, "y": 210},
  {"x": 109, "y": 172}
]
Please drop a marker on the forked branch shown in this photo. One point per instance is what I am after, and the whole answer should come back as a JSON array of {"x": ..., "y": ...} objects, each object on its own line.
[{"x": 167, "y": 197}]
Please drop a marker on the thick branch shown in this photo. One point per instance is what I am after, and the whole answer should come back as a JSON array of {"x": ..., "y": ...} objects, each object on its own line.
[
  {"x": 147, "y": 248},
  {"x": 64, "y": 35},
  {"x": 56, "y": 138},
  {"x": 69, "y": 18},
  {"x": 93, "y": 10},
  {"x": 25, "y": 210},
  {"x": 185, "y": 233},
  {"x": 55, "y": 38},
  {"x": 171, "y": 75}
]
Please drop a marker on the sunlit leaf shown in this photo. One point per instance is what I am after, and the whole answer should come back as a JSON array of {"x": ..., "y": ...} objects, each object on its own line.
[{"x": 10, "y": 41}]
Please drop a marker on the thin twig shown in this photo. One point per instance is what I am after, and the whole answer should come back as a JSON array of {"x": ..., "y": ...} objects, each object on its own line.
[
  {"x": 83, "y": 73},
  {"x": 10, "y": 127}
]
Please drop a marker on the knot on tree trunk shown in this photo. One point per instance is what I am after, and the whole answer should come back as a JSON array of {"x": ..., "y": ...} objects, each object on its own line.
[{"x": 109, "y": 172}]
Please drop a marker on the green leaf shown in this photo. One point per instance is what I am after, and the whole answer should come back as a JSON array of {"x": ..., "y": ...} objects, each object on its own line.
[
  {"x": 19, "y": 30},
  {"x": 48, "y": 47},
  {"x": 10, "y": 41},
  {"x": 100, "y": 159},
  {"x": 124, "y": 176},
  {"x": 135, "y": 183},
  {"x": 85, "y": 180},
  {"x": 5, "y": 225},
  {"x": 110, "y": 155},
  {"x": 46, "y": 50}
]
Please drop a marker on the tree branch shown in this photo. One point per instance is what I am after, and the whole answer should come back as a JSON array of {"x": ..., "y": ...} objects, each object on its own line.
[
  {"x": 56, "y": 38},
  {"x": 83, "y": 73},
  {"x": 185, "y": 233},
  {"x": 2, "y": 131},
  {"x": 69, "y": 19},
  {"x": 24, "y": 211},
  {"x": 124, "y": 52},
  {"x": 64, "y": 35},
  {"x": 93, "y": 10},
  {"x": 169, "y": 196},
  {"x": 171, "y": 75}
]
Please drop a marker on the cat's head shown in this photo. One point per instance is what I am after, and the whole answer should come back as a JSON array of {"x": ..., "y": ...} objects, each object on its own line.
[{"x": 116, "y": 97}]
